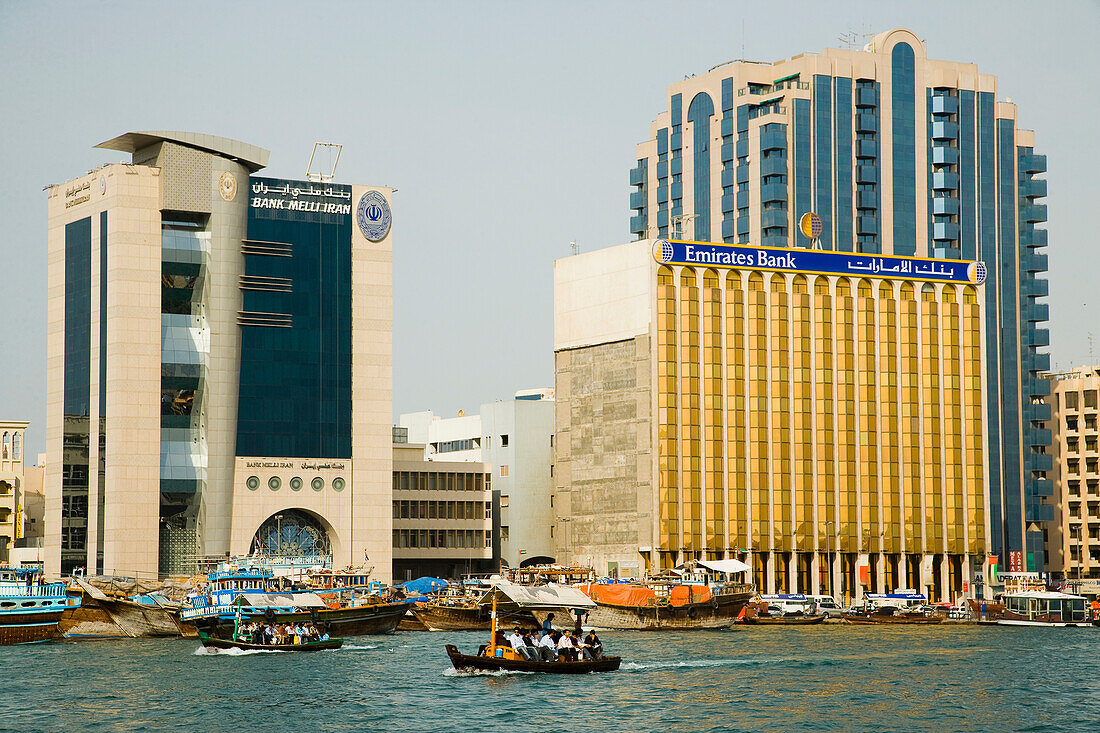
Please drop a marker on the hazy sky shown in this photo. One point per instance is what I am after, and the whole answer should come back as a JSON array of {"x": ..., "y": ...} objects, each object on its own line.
[{"x": 508, "y": 128}]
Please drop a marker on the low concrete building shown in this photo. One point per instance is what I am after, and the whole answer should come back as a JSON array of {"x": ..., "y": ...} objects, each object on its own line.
[
  {"x": 11, "y": 482},
  {"x": 1073, "y": 544}
]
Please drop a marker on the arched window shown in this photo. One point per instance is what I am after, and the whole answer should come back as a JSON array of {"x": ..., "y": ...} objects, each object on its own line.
[
  {"x": 16, "y": 446},
  {"x": 7, "y": 446}
]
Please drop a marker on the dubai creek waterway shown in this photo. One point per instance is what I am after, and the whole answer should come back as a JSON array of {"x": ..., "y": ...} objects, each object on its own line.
[{"x": 816, "y": 678}]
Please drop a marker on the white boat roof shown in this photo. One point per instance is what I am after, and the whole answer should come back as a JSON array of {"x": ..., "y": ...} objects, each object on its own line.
[
  {"x": 725, "y": 566},
  {"x": 1049, "y": 594},
  {"x": 543, "y": 596}
]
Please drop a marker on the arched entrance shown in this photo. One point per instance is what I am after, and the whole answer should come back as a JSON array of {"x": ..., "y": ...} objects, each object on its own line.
[
  {"x": 292, "y": 533},
  {"x": 537, "y": 560}
]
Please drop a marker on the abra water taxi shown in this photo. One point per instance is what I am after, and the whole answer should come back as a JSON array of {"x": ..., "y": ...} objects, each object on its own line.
[
  {"x": 29, "y": 607},
  {"x": 498, "y": 654},
  {"x": 1038, "y": 608}
]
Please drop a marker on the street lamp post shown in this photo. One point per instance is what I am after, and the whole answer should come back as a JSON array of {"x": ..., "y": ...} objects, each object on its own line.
[{"x": 278, "y": 533}]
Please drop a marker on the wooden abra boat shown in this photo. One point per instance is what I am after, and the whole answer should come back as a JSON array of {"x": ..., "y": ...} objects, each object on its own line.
[
  {"x": 497, "y": 656},
  {"x": 796, "y": 620},
  {"x": 891, "y": 615},
  {"x": 214, "y": 642},
  {"x": 29, "y": 608}
]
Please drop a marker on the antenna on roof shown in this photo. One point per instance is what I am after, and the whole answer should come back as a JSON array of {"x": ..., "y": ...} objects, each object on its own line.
[
  {"x": 321, "y": 176},
  {"x": 574, "y": 248}
]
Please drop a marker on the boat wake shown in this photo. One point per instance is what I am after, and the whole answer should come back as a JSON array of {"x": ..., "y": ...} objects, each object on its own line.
[
  {"x": 451, "y": 672},
  {"x": 637, "y": 666},
  {"x": 358, "y": 647},
  {"x": 203, "y": 651}
]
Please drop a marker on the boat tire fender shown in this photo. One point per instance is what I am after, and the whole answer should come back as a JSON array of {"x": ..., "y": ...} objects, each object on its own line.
[{"x": 693, "y": 612}]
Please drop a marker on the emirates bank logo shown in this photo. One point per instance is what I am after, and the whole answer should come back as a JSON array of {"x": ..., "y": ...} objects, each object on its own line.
[
  {"x": 663, "y": 252},
  {"x": 975, "y": 272},
  {"x": 373, "y": 216}
]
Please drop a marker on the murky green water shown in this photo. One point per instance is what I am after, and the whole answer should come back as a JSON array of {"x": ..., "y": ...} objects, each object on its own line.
[{"x": 809, "y": 678}]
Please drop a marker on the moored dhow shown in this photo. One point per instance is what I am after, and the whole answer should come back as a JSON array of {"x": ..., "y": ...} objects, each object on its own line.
[{"x": 29, "y": 607}]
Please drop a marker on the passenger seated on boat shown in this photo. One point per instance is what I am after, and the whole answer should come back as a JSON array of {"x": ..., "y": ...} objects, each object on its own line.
[
  {"x": 593, "y": 647},
  {"x": 269, "y": 634},
  {"x": 547, "y": 650},
  {"x": 548, "y": 624},
  {"x": 520, "y": 646},
  {"x": 566, "y": 651}
]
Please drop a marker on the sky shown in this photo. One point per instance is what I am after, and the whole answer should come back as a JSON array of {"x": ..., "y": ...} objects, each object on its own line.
[{"x": 508, "y": 129}]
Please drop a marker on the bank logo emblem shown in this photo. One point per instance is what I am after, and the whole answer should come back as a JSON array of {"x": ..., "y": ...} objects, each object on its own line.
[
  {"x": 227, "y": 186},
  {"x": 373, "y": 216},
  {"x": 975, "y": 272},
  {"x": 663, "y": 251}
]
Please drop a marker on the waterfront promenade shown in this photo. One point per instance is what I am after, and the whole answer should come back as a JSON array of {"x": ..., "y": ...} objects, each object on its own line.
[{"x": 830, "y": 677}]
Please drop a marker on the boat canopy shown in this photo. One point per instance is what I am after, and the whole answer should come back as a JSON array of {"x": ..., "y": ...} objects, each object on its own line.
[
  {"x": 542, "y": 596},
  {"x": 425, "y": 585},
  {"x": 280, "y": 600},
  {"x": 725, "y": 566}
]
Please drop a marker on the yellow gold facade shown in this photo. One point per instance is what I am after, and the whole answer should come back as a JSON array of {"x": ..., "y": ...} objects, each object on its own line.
[{"x": 825, "y": 429}]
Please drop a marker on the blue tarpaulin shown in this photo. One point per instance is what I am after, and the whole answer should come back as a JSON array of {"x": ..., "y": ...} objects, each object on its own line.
[{"x": 424, "y": 585}]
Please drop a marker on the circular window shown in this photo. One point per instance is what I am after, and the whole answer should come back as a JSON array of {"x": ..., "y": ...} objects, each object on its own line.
[
  {"x": 295, "y": 484},
  {"x": 317, "y": 483},
  {"x": 274, "y": 483},
  {"x": 252, "y": 483},
  {"x": 338, "y": 484}
]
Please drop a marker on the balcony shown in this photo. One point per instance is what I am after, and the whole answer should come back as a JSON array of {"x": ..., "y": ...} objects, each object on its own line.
[
  {"x": 742, "y": 147},
  {"x": 1039, "y": 362},
  {"x": 866, "y": 199},
  {"x": 742, "y": 199},
  {"x": 774, "y": 240},
  {"x": 662, "y": 193},
  {"x": 1039, "y": 513},
  {"x": 1034, "y": 263},
  {"x": 638, "y": 224},
  {"x": 945, "y": 231},
  {"x": 1037, "y": 312},
  {"x": 728, "y": 231},
  {"x": 1033, "y": 237},
  {"x": 945, "y": 206},
  {"x": 742, "y": 174},
  {"x": 1034, "y": 188},
  {"x": 775, "y": 140},
  {"x": 1038, "y": 436},
  {"x": 1038, "y": 337},
  {"x": 727, "y": 153},
  {"x": 1041, "y": 487},
  {"x": 1034, "y": 213},
  {"x": 944, "y": 130},
  {"x": 729, "y": 203},
  {"x": 727, "y": 177},
  {"x": 867, "y": 225},
  {"x": 866, "y": 148},
  {"x": 1036, "y": 288},
  {"x": 945, "y": 105},
  {"x": 727, "y": 127},
  {"x": 945, "y": 181},
  {"x": 866, "y": 97},
  {"x": 773, "y": 192},
  {"x": 773, "y": 167},
  {"x": 1038, "y": 412},
  {"x": 662, "y": 169},
  {"x": 676, "y": 191},
  {"x": 772, "y": 218},
  {"x": 675, "y": 141},
  {"x": 676, "y": 167},
  {"x": 662, "y": 218},
  {"x": 867, "y": 174},
  {"x": 866, "y": 123},
  {"x": 637, "y": 175},
  {"x": 942, "y": 155},
  {"x": 637, "y": 200},
  {"x": 1033, "y": 163}
]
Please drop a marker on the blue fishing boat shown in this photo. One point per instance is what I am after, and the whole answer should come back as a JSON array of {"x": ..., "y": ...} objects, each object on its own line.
[{"x": 29, "y": 607}]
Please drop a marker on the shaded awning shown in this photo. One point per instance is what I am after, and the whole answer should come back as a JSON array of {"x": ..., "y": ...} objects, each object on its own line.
[
  {"x": 542, "y": 596},
  {"x": 280, "y": 600},
  {"x": 725, "y": 566}
]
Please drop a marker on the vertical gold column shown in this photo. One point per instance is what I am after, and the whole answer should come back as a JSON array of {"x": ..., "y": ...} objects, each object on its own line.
[
  {"x": 888, "y": 415},
  {"x": 931, "y": 430},
  {"x": 868, "y": 419},
  {"x": 825, "y": 412},
  {"x": 952, "y": 423},
  {"x": 668, "y": 420},
  {"x": 910, "y": 421},
  {"x": 972, "y": 421},
  {"x": 715, "y": 536},
  {"x": 736, "y": 508},
  {"x": 846, "y": 417},
  {"x": 691, "y": 504},
  {"x": 780, "y": 420},
  {"x": 802, "y": 433},
  {"x": 757, "y": 330}
]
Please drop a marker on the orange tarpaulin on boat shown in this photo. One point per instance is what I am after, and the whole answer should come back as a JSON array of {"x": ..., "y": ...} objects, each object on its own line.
[
  {"x": 682, "y": 595},
  {"x": 620, "y": 594}
]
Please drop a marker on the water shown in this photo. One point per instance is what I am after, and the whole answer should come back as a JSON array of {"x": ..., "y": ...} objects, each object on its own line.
[{"x": 831, "y": 677}]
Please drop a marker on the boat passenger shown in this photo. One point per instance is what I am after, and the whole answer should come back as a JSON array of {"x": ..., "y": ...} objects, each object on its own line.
[
  {"x": 548, "y": 624},
  {"x": 269, "y": 635},
  {"x": 547, "y": 650},
  {"x": 566, "y": 651},
  {"x": 593, "y": 647},
  {"x": 520, "y": 646}
]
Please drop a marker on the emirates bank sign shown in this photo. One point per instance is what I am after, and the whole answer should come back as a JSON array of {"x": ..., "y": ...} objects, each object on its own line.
[{"x": 816, "y": 261}]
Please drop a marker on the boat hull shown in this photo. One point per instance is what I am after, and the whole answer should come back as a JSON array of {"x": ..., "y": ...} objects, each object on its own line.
[
  {"x": 467, "y": 618},
  {"x": 784, "y": 620},
  {"x": 382, "y": 618},
  {"x": 872, "y": 619},
  {"x": 212, "y": 642},
  {"x": 474, "y": 663},
  {"x": 717, "y": 613},
  {"x": 28, "y": 628}
]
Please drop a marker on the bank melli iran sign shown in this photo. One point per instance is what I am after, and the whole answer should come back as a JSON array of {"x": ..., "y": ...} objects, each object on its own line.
[{"x": 816, "y": 261}]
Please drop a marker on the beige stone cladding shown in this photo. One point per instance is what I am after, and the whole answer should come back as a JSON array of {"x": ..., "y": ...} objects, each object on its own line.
[
  {"x": 11, "y": 483},
  {"x": 131, "y": 195},
  {"x": 1073, "y": 546},
  {"x": 372, "y": 392},
  {"x": 265, "y": 487}
]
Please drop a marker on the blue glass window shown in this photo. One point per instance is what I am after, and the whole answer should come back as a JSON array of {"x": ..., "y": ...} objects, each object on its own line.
[{"x": 903, "y": 99}]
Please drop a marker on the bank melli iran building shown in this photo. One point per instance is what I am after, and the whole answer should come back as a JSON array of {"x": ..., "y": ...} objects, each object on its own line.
[
  {"x": 219, "y": 362},
  {"x": 878, "y": 419}
]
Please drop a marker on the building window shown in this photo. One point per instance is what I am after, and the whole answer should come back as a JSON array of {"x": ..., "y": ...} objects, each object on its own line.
[
  {"x": 504, "y": 501},
  {"x": 1071, "y": 445},
  {"x": 503, "y": 533},
  {"x": 1071, "y": 400},
  {"x": 504, "y": 441},
  {"x": 1071, "y": 423},
  {"x": 551, "y": 501},
  {"x": 1090, "y": 398},
  {"x": 488, "y": 510},
  {"x": 551, "y": 470},
  {"x": 551, "y": 440},
  {"x": 503, "y": 471},
  {"x": 1072, "y": 465},
  {"x": 1074, "y": 488},
  {"x": 551, "y": 531}
]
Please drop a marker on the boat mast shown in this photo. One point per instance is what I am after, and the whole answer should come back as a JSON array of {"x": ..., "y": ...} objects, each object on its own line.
[{"x": 493, "y": 628}]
